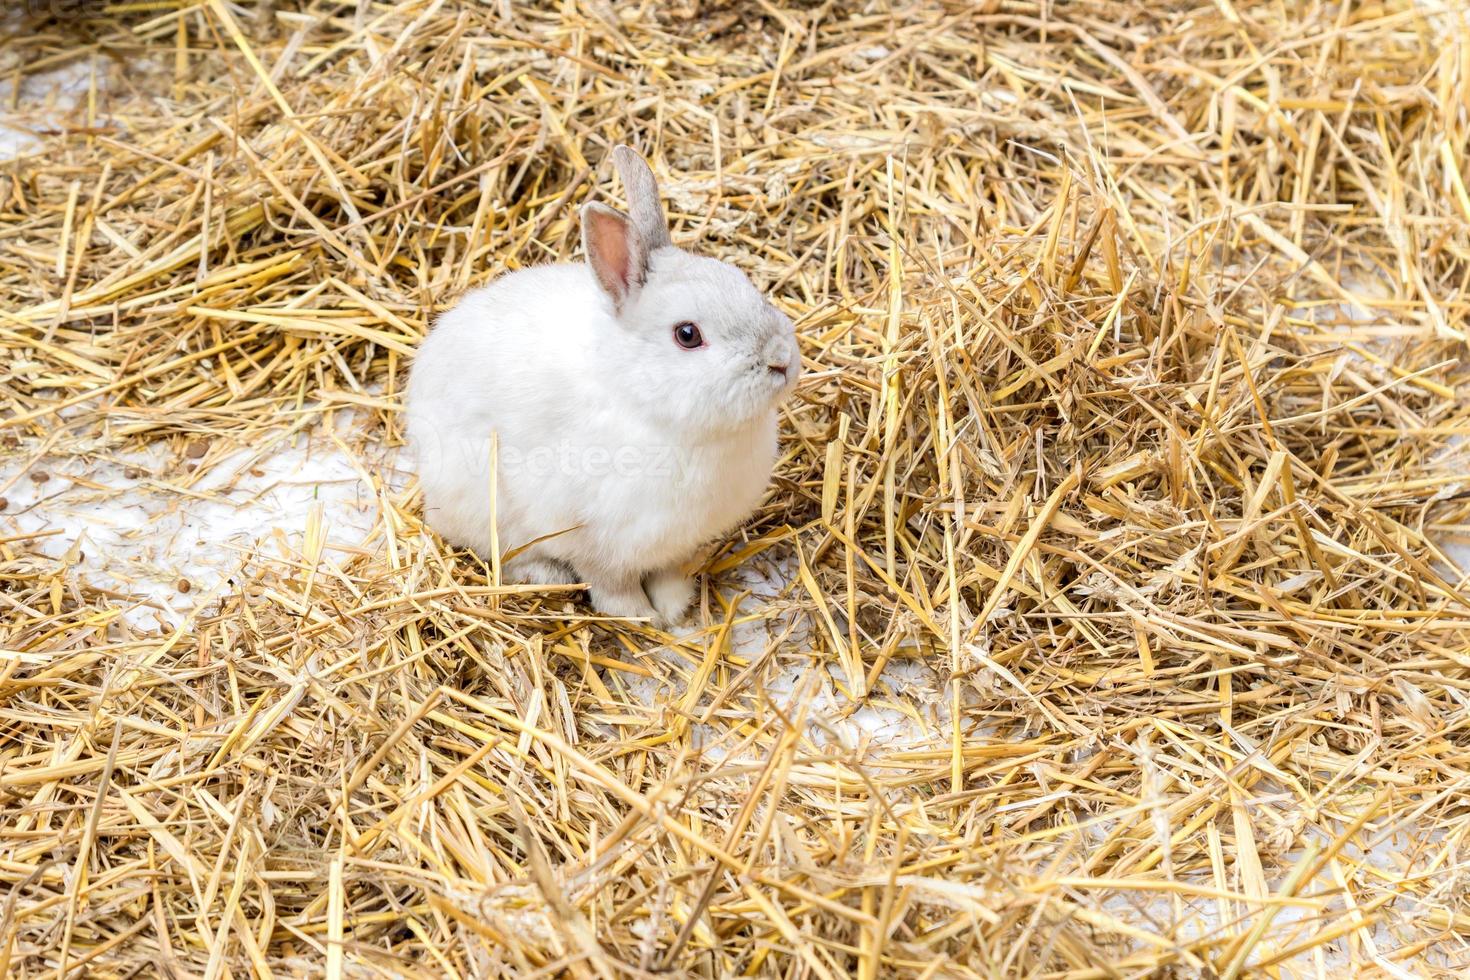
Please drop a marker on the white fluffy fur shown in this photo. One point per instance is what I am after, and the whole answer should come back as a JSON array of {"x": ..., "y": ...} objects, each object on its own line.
[{"x": 619, "y": 451}]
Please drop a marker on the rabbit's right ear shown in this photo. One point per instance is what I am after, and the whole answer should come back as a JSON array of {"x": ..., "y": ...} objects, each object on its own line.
[
  {"x": 642, "y": 189},
  {"x": 614, "y": 250}
]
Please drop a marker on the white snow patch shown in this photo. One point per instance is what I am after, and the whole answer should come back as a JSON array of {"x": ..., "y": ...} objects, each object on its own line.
[
  {"x": 797, "y": 684},
  {"x": 166, "y": 542},
  {"x": 1377, "y": 333},
  {"x": 45, "y": 101}
]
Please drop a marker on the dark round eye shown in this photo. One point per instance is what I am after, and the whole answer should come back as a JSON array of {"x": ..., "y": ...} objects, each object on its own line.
[{"x": 687, "y": 336}]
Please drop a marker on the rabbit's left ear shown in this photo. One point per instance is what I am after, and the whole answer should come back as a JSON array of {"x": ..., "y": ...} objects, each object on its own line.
[
  {"x": 642, "y": 190},
  {"x": 614, "y": 250}
]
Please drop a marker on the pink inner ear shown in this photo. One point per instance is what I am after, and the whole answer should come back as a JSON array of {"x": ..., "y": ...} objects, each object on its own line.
[{"x": 610, "y": 251}]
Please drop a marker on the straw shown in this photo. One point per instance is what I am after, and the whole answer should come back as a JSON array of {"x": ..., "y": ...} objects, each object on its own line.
[{"x": 1100, "y": 620}]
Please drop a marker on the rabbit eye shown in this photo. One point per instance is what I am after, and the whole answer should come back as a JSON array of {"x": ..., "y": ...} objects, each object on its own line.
[{"x": 687, "y": 336}]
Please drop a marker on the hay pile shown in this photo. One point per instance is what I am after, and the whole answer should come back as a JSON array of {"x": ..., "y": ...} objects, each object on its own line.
[{"x": 1109, "y": 633}]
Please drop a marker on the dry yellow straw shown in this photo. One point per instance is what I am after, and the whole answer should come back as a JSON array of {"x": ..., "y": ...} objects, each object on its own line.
[{"x": 1100, "y": 621}]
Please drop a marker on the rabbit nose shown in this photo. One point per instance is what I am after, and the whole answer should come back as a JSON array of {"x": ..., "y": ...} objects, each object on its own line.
[{"x": 779, "y": 356}]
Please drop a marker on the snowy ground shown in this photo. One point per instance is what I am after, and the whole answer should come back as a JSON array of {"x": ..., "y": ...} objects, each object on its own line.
[
  {"x": 45, "y": 100},
  {"x": 169, "y": 540}
]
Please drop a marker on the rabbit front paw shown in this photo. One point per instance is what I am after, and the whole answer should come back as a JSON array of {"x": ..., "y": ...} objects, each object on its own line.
[
  {"x": 671, "y": 592},
  {"x": 622, "y": 599}
]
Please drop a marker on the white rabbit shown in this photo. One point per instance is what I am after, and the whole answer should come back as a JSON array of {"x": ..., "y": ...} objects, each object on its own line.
[{"x": 633, "y": 401}]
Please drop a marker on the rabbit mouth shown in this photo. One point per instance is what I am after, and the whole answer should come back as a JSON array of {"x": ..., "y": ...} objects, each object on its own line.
[
  {"x": 780, "y": 379},
  {"x": 777, "y": 374}
]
